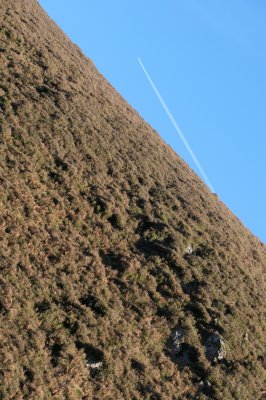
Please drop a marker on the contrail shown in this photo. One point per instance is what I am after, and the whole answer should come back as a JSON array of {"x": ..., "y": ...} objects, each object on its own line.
[{"x": 180, "y": 133}]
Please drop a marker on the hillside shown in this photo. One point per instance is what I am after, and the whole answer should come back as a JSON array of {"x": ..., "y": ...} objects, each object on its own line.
[{"x": 122, "y": 276}]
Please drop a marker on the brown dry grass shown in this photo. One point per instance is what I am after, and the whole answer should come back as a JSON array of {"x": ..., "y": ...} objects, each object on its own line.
[{"x": 96, "y": 215}]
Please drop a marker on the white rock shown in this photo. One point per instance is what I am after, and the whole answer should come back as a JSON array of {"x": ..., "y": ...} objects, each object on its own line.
[
  {"x": 189, "y": 249},
  {"x": 94, "y": 365}
]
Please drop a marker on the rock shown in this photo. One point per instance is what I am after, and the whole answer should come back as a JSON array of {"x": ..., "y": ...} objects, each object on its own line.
[
  {"x": 215, "y": 347},
  {"x": 94, "y": 365},
  {"x": 178, "y": 339},
  {"x": 189, "y": 249}
]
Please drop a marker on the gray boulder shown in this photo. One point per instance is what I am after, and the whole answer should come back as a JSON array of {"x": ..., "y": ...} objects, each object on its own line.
[
  {"x": 215, "y": 347},
  {"x": 178, "y": 339}
]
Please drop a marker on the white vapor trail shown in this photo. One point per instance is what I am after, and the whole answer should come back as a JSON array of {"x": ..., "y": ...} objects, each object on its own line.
[{"x": 178, "y": 130}]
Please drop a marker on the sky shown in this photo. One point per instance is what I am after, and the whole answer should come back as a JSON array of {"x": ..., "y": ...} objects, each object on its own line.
[{"x": 207, "y": 59}]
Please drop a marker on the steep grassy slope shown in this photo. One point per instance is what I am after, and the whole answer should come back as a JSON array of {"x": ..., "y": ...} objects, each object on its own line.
[{"x": 117, "y": 264}]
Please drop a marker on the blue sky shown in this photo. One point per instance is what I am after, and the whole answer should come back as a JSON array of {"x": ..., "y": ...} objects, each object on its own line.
[{"x": 208, "y": 60}]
